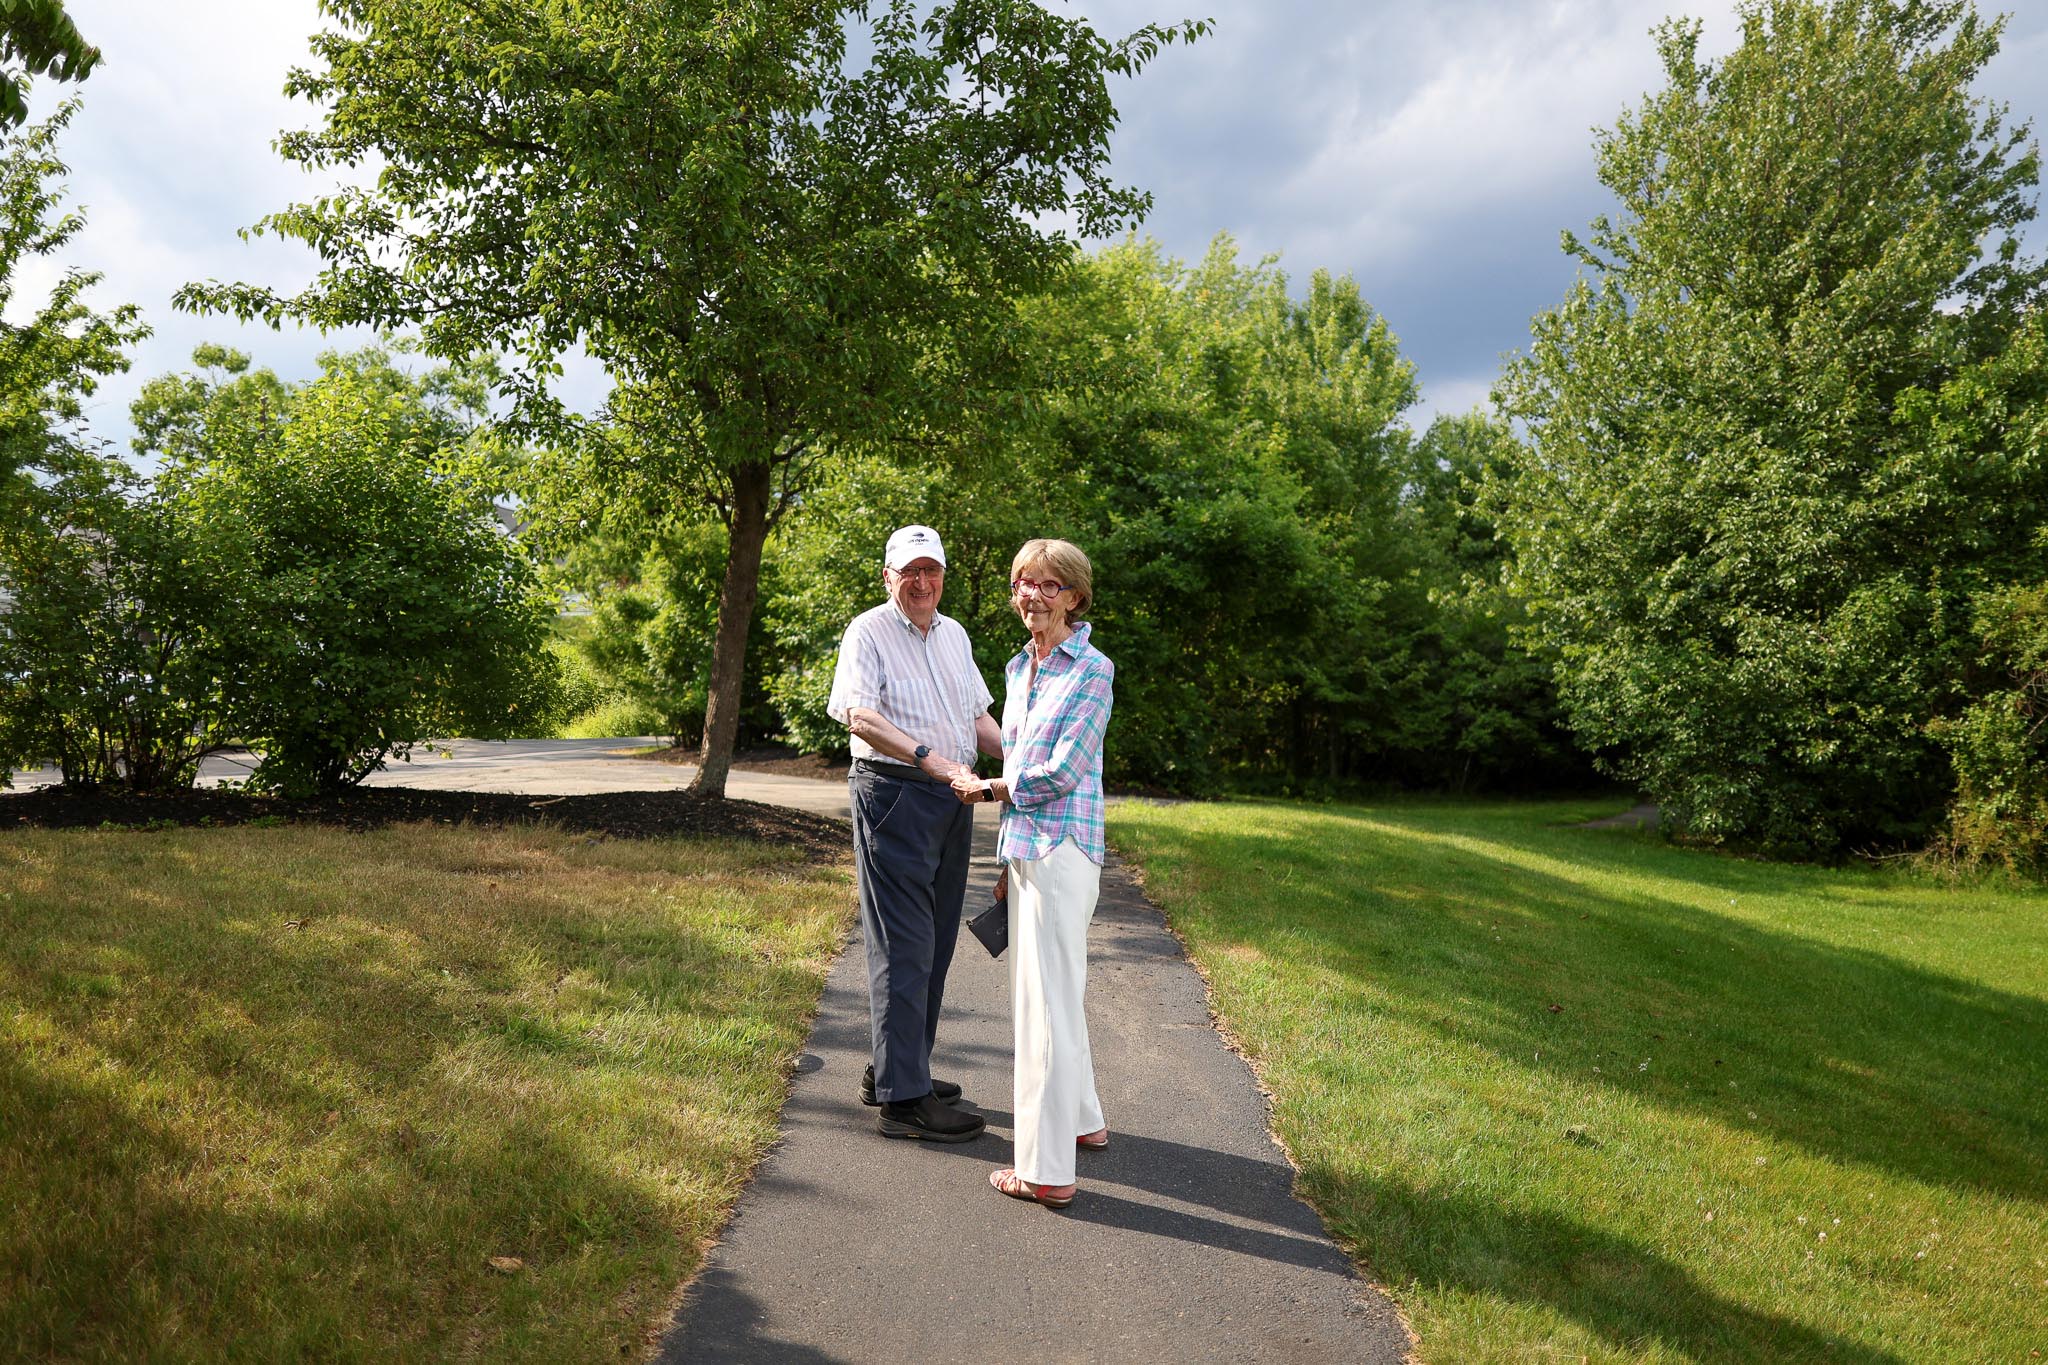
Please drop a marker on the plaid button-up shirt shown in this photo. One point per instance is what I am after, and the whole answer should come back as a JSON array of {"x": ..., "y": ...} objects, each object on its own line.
[{"x": 1052, "y": 749}]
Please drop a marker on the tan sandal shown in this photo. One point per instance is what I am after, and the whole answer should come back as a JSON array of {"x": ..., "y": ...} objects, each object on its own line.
[
  {"x": 1093, "y": 1142},
  {"x": 1007, "y": 1181}
]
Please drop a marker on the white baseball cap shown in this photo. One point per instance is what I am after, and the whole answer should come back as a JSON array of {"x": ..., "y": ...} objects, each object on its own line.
[{"x": 914, "y": 543}]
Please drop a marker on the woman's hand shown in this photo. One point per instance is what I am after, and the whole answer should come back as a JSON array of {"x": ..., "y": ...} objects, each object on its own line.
[{"x": 967, "y": 786}]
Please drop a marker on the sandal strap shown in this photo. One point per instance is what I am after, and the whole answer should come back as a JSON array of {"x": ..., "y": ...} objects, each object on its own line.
[{"x": 1016, "y": 1186}]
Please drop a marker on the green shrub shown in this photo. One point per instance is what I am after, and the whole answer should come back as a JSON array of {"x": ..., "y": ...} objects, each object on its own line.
[
  {"x": 1999, "y": 745},
  {"x": 574, "y": 688},
  {"x": 617, "y": 718},
  {"x": 653, "y": 592},
  {"x": 376, "y": 603},
  {"x": 110, "y": 647}
]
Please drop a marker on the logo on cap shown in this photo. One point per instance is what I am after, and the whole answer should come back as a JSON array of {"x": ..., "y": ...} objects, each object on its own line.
[{"x": 911, "y": 543}]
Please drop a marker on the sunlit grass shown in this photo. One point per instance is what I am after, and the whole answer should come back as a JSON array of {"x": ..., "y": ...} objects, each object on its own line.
[
  {"x": 1575, "y": 1093},
  {"x": 271, "y": 1093}
]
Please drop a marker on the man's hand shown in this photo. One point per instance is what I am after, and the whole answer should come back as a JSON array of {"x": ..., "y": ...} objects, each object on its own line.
[
  {"x": 943, "y": 768},
  {"x": 967, "y": 786}
]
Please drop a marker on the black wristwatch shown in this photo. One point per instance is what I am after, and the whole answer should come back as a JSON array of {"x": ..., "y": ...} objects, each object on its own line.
[
  {"x": 988, "y": 791},
  {"x": 922, "y": 752}
]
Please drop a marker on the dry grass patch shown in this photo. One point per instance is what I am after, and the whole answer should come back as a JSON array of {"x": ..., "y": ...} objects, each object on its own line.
[{"x": 275, "y": 1092}]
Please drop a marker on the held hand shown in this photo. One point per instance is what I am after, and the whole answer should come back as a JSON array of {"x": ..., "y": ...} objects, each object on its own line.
[{"x": 966, "y": 786}]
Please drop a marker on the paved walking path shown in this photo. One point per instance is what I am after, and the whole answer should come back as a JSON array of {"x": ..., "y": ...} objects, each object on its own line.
[{"x": 1185, "y": 1242}]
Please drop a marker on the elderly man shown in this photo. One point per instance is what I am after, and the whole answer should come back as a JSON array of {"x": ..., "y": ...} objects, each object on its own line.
[{"x": 908, "y": 689}]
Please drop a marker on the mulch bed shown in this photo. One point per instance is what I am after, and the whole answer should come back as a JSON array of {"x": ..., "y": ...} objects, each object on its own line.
[
  {"x": 777, "y": 759},
  {"x": 626, "y": 815}
]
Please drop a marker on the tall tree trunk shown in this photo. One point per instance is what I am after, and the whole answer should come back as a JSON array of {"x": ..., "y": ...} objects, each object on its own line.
[{"x": 736, "y": 598}]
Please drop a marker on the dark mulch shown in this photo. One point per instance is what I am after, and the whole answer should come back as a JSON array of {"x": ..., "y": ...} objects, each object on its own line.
[
  {"x": 778, "y": 759},
  {"x": 629, "y": 815}
]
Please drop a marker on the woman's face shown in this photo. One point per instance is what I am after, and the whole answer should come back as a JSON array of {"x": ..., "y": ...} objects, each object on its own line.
[{"x": 1039, "y": 607}]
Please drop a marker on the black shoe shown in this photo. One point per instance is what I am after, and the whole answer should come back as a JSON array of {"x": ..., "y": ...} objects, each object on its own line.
[
  {"x": 926, "y": 1118},
  {"x": 945, "y": 1091}
]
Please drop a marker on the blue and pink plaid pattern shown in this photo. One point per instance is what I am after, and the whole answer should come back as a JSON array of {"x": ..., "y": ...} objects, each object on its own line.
[{"x": 1052, "y": 749}]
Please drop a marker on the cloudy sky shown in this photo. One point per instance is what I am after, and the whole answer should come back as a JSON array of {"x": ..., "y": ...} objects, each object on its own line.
[{"x": 1432, "y": 149}]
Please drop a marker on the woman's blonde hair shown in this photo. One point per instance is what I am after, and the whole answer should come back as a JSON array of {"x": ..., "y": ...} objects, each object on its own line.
[{"x": 1070, "y": 567}]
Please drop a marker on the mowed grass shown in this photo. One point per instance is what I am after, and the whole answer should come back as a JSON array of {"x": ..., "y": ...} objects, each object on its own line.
[
  {"x": 1576, "y": 1094},
  {"x": 268, "y": 1094}
]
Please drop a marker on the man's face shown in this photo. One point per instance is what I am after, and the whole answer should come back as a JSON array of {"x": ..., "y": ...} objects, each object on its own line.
[{"x": 915, "y": 589}]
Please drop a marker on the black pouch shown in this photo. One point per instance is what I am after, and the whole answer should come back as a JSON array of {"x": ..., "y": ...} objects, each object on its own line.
[{"x": 992, "y": 926}]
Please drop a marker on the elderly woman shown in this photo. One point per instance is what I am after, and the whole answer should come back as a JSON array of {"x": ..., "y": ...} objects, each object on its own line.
[{"x": 1051, "y": 845}]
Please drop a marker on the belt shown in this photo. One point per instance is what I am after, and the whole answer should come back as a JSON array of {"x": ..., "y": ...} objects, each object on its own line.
[{"x": 880, "y": 768}]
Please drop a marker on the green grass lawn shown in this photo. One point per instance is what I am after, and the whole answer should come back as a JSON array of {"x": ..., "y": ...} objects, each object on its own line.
[
  {"x": 1575, "y": 1094},
  {"x": 276, "y": 1093}
]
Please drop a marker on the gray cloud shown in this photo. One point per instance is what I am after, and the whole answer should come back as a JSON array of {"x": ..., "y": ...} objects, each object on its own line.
[{"x": 1432, "y": 150}]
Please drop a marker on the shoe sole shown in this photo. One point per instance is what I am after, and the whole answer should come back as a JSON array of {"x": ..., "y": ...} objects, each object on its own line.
[
  {"x": 893, "y": 1128},
  {"x": 867, "y": 1097}
]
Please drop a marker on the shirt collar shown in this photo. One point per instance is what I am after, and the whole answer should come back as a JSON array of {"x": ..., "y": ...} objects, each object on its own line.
[
  {"x": 911, "y": 625},
  {"x": 1071, "y": 646}
]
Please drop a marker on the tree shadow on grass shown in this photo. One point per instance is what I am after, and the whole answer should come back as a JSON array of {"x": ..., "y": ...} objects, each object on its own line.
[
  {"x": 342, "y": 1137},
  {"x": 1619, "y": 1290},
  {"x": 1632, "y": 1298},
  {"x": 137, "y": 1254},
  {"x": 1846, "y": 1053}
]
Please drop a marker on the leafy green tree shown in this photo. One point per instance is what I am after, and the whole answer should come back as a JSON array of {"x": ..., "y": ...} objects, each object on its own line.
[
  {"x": 56, "y": 356},
  {"x": 1489, "y": 715},
  {"x": 1229, "y": 456},
  {"x": 377, "y": 604},
  {"x": 778, "y": 242},
  {"x": 50, "y": 360},
  {"x": 37, "y": 38},
  {"x": 1736, "y": 521}
]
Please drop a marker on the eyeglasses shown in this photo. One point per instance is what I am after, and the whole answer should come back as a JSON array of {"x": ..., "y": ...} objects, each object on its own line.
[
  {"x": 939, "y": 572},
  {"x": 1024, "y": 587}
]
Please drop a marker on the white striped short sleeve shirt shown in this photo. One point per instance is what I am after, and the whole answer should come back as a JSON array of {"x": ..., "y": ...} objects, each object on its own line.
[{"x": 923, "y": 683}]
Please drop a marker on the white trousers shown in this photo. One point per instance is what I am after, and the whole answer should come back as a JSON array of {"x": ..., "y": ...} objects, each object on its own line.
[{"x": 1052, "y": 901}]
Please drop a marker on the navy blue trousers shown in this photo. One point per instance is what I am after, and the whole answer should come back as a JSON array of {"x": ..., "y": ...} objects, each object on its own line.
[{"x": 911, "y": 842}]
